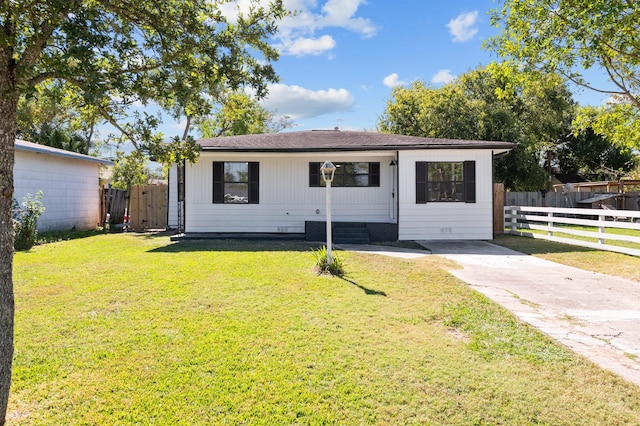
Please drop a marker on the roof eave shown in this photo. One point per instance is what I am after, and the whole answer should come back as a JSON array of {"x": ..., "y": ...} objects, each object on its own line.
[
  {"x": 501, "y": 148},
  {"x": 35, "y": 148}
]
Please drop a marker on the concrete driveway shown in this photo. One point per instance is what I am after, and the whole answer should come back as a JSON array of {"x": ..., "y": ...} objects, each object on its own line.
[{"x": 596, "y": 315}]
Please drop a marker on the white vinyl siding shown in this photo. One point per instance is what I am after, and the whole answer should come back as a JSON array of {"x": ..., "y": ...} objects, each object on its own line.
[
  {"x": 70, "y": 187},
  {"x": 286, "y": 200},
  {"x": 437, "y": 220}
]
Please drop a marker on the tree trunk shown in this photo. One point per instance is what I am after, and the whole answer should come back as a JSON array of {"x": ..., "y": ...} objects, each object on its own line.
[{"x": 8, "y": 107}]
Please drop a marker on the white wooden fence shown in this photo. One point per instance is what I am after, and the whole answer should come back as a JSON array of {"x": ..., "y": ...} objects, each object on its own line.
[{"x": 552, "y": 221}]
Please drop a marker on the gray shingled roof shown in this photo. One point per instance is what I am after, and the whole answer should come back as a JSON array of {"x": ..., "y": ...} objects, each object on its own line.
[{"x": 337, "y": 140}]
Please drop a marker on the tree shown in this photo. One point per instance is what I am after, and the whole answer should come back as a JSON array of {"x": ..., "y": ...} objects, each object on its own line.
[
  {"x": 570, "y": 36},
  {"x": 497, "y": 102},
  {"x": 239, "y": 114},
  {"x": 131, "y": 169},
  {"x": 592, "y": 155},
  {"x": 111, "y": 54},
  {"x": 52, "y": 115}
]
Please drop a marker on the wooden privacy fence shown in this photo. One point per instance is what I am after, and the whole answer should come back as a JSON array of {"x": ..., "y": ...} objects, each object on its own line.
[
  {"x": 114, "y": 204},
  {"x": 148, "y": 207},
  {"x": 592, "y": 227}
]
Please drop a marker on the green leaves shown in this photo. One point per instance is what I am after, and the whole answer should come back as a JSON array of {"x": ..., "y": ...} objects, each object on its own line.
[
  {"x": 239, "y": 114},
  {"x": 112, "y": 55},
  {"x": 499, "y": 102},
  {"x": 572, "y": 35},
  {"x": 130, "y": 169}
]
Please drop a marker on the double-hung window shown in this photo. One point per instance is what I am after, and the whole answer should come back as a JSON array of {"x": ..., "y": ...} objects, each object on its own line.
[
  {"x": 446, "y": 181},
  {"x": 359, "y": 174},
  {"x": 236, "y": 182}
]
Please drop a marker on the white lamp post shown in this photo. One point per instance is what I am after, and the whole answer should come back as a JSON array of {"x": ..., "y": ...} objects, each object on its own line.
[{"x": 328, "y": 170}]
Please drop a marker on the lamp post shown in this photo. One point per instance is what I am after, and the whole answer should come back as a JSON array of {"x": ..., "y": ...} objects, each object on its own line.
[{"x": 328, "y": 169}]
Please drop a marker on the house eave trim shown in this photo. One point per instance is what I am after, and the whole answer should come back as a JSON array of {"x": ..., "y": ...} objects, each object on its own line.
[{"x": 390, "y": 149}]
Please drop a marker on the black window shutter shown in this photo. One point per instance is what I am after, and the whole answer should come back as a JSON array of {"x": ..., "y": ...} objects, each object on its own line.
[
  {"x": 421, "y": 182},
  {"x": 254, "y": 183},
  {"x": 469, "y": 171},
  {"x": 218, "y": 182},
  {"x": 314, "y": 174},
  {"x": 374, "y": 174}
]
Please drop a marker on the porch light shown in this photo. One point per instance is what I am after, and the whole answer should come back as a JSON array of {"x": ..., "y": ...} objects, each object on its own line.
[{"x": 328, "y": 170}]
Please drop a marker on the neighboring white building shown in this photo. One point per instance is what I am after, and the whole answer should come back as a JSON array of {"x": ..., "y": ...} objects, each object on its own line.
[
  {"x": 394, "y": 187},
  {"x": 69, "y": 182}
]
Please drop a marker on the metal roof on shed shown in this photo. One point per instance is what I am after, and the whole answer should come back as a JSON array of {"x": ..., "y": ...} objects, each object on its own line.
[{"x": 44, "y": 149}]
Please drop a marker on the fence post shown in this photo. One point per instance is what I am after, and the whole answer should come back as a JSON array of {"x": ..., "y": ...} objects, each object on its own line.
[
  {"x": 498, "y": 209},
  {"x": 601, "y": 220},
  {"x": 550, "y": 224},
  {"x": 514, "y": 219}
]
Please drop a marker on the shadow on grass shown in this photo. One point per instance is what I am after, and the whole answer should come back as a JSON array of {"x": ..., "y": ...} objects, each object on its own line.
[
  {"x": 190, "y": 246},
  {"x": 366, "y": 290},
  {"x": 537, "y": 246},
  {"x": 56, "y": 236}
]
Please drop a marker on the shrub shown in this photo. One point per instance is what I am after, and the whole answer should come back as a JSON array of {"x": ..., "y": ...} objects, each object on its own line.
[
  {"x": 25, "y": 220},
  {"x": 323, "y": 266}
]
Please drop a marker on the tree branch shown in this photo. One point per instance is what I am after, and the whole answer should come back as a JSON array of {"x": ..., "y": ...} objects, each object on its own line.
[
  {"x": 186, "y": 128},
  {"x": 115, "y": 124},
  {"x": 587, "y": 86},
  {"x": 32, "y": 52},
  {"x": 611, "y": 71},
  {"x": 34, "y": 81}
]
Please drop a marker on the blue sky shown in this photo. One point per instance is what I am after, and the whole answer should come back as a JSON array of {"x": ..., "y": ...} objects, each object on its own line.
[{"x": 340, "y": 59}]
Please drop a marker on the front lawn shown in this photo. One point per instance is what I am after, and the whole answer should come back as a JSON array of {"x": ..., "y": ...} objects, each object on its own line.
[{"x": 133, "y": 329}]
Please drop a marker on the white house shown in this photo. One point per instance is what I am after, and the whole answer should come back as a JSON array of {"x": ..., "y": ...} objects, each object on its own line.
[
  {"x": 386, "y": 187},
  {"x": 68, "y": 180}
]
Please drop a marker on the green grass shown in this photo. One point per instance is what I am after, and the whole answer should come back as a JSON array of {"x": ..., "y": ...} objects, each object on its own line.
[
  {"x": 605, "y": 262},
  {"x": 609, "y": 241},
  {"x": 132, "y": 329}
]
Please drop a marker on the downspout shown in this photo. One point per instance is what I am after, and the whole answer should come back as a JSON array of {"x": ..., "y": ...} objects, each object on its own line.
[
  {"x": 181, "y": 171},
  {"x": 168, "y": 197},
  {"x": 184, "y": 196},
  {"x": 397, "y": 197},
  {"x": 493, "y": 198}
]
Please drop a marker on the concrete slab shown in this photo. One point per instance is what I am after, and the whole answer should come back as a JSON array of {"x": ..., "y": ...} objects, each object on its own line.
[
  {"x": 595, "y": 315},
  {"x": 399, "y": 252}
]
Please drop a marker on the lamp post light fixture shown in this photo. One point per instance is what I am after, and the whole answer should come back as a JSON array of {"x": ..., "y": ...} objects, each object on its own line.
[{"x": 328, "y": 170}]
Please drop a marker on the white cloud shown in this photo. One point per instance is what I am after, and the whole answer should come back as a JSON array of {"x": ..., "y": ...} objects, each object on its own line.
[
  {"x": 340, "y": 13},
  {"x": 296, "y": 32},
  {"x": 307, "y": 46},
  {"x": 463, "y": 27},
  {"x": 393, "y": 80},
  {"x": 298, "y": 102},
  {"x": 181, "y": 125},
  {"x": 443, "y": 77},
  {"x": 311, "y": 18}
]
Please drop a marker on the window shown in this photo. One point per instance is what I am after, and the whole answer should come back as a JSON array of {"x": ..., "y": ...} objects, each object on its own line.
[
  {"x": 235, "y": 182},
  {"x": 446, "y": 181},
  {"x": 347, "y": 175}
]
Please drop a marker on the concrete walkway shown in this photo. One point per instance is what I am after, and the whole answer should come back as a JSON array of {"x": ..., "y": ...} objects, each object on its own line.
[{"x": 595, "y": 315}]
